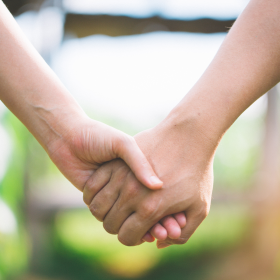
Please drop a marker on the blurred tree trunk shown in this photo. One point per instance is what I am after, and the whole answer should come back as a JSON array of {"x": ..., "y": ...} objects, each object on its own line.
[
  {"x": 258, "y": 258},
  {"x": 87, "y": 25}
]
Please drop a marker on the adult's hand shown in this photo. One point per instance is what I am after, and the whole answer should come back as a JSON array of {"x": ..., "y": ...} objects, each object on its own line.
[
  {"x": 81, "y": 152},
  {"x": 182, "y": 157},
  {"x": 89, "y": 144},
  {"x": 76, "y": 144}
]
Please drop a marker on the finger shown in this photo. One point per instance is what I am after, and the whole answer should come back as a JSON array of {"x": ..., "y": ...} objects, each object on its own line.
[
  {"x": 108, "y": 195},
  {"x": 131, "y": 192},
  {"x": 172, "y": 227},
  {"x": 181, "y": 219},
  {"x": 96, "y": 182},
  {"x": 187, "y": 231},
  {"x": 104, "y": 200},
  {"x": 158, "y": 232},
  {"x": 116, "y": 217},
  {"x": 148, "y": 238},
  {"x": 129, "y": 151},
  {"x": 133, "y": 229}
]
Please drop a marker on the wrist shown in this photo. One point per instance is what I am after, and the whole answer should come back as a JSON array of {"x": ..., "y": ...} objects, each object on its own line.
[
  {"x": 187, "y": 120},
  {"x": 178, "y": 145},
  {"x": 59, "y": 124}
]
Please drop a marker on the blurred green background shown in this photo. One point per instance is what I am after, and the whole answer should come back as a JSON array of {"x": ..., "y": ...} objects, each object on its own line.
[{"x": 45, "y": 230}]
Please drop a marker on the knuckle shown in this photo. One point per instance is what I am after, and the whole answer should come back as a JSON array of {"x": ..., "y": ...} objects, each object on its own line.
[
  {"x": 123, "y": 142},
  {"x": 105, "y": 194},
  {"x": 148, "y": 210},
  {"x": 86, "y": 199},
  {"x": 108, "y": 227},
  {"x": 94, "y": 209},
  {"x": 203, "y": 211},
  {"x": 125, "y": 241},
  {"x": 91, "y": 186},
  {"x": 129, "y": 140},
  {"x": 124, "y": 205},
  {"x": 133, "y": 189},
  {"x": 121, "y": 175}
]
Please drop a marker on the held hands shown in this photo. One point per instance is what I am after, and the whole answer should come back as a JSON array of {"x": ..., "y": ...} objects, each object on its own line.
[
  {"x": 182, "y": 157},
  {"x": 118, "y": 194},
  {"x": 81, "y": 152}
]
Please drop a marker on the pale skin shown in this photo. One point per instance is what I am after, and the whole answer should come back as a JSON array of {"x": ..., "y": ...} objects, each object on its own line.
[
  {"x": 76, "y": 144},
  {"x": 182, "y": 147}
]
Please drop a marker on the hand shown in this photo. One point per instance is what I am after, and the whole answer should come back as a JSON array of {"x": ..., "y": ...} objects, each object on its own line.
[
  {"x": 80, "y": 152},
  {"x": 92, "y": 143},
  {"x": 182, "y": 157},
  {"x": 107, "y": 181}
]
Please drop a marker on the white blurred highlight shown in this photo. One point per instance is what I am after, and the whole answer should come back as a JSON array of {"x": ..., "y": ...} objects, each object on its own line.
[
  {"x": 8, "y": 224},
  {"x": 5, "y": 149},
  {"x": 44, "y": 29},
  {"x": 167, "y": 8},
  {"x": 138, "y": 78}
]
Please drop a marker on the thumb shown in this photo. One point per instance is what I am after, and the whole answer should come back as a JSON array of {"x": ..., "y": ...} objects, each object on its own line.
[{"x": 128, "y": 150}]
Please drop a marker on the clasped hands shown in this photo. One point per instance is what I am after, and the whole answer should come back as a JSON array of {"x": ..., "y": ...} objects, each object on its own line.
[{"x": 120, "y": 184}]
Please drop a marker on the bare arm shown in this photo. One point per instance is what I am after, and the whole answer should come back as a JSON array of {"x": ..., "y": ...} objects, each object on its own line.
[
  {"x": 76, "y": 144},
  {"x": 246, "y": 66}
]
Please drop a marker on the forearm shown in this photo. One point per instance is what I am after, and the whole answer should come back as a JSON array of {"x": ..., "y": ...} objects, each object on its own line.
[
  {"x": 246, "y": 66},
  {"x": 182, "y": 147},
  {"x": 30, "y": 89}
]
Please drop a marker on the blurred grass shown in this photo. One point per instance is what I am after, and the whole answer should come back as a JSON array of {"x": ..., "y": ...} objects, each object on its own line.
[
  {"x": 78, "y": 233},
  {"x": 13, "y": 257},
  {"x": 238, "y": 154},
  {"x": 14, "y": 246}
]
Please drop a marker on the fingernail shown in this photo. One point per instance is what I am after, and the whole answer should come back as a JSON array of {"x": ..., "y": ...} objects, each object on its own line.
[
  {"x": 162, "y": 245},
  {"x": 155, "y": 180}
]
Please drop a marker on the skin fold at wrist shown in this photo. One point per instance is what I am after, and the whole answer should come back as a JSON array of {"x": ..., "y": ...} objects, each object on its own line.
[{"x": 190, "y": 125}]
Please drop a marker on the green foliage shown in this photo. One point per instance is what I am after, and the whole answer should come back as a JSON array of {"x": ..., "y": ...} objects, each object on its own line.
[
  {"x": 13, "y": 257},
  {"x": 13, "y": 246},
  {"x": 11, "y": 187}
]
